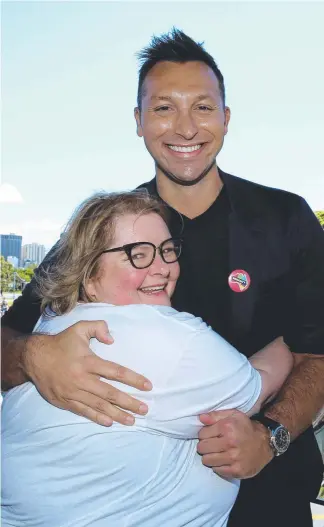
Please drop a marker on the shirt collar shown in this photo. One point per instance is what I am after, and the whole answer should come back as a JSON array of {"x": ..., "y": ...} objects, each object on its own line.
[{"x": 243, "y": 200}]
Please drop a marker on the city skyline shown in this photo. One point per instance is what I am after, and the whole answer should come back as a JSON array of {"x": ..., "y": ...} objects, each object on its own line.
[
  {"x": 10, "y": 246},
  {"x": 18, "y": 254},
  {"x": 34, "y": 253}
]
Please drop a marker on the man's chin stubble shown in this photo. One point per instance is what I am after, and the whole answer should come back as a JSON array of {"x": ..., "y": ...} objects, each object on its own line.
[{"x": 185, "y": 183}]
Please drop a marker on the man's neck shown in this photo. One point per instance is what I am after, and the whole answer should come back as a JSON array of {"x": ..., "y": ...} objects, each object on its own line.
[{"x": 190, "y": 201}]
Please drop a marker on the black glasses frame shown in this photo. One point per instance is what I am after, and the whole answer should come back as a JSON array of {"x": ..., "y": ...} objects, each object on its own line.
[{"x": 129, "y": 247}]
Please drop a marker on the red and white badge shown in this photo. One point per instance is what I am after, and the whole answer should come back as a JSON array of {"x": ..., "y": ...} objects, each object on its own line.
[{"x": 239, "y": 281}]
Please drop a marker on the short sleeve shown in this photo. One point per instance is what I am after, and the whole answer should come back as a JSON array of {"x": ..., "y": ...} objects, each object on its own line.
[
  {"x": 211, "y": 375},
  {"x": 305, "y": 331}
]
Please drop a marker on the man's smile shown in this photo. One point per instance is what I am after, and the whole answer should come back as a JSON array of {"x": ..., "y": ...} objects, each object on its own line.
[{"x": 185, "y": 151}]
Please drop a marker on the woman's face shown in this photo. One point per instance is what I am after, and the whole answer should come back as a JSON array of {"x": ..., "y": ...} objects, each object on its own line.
[{"x": 119, "y": 283}]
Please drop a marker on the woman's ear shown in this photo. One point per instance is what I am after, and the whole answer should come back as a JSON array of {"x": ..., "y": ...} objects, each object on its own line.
[{"x": 90, "y": 289}]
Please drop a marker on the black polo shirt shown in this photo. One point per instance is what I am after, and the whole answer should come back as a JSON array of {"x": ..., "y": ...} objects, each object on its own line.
[{"x": 202, "y": 288}]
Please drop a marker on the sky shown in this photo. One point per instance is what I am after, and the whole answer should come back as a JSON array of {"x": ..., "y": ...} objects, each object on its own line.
[{"x": 69, "y": 81}]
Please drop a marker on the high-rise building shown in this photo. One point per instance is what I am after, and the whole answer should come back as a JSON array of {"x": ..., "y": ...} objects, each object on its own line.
[
  {"x": 33, "y": 253},
  {"x": 11, "y": 245}
]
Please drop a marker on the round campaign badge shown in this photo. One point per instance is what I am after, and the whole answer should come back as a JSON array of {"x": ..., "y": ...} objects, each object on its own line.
[{"x": 239, "y": 281}]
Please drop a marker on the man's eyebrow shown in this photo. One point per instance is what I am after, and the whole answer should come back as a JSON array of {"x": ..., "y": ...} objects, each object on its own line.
[
  {"x": 203, "y": 96},
  {"x": 200, "y": 97},
  {"x": 161, "y": 97}
]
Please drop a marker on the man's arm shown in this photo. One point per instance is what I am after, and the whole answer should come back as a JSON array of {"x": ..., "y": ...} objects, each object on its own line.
[
  {"x": 302, "y": 396},
  {"x": 274, "y": 363},
  {"x": 234, "y": 446},
  {"x": 244, "y": 449},
  {"x": 13, "y": 345},
  {"x": 17, "y": 325},
  {"x": 67, "y": 373}
]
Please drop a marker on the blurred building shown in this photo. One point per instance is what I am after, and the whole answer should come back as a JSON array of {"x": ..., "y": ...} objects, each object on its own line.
[
  {"x": 13, "y": 260},
  {"x": 32, "y": 253},
  {"x": 11, "y": 246}
]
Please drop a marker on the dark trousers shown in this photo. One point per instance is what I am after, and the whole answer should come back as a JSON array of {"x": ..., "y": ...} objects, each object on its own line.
[{"x": 280, "y": 507}]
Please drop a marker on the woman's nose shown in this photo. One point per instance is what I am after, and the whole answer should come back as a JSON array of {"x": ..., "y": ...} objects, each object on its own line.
[{"x": 159, "y": 266}]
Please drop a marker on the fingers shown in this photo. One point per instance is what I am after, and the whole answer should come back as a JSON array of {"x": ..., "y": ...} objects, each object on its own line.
[
  {"x": 210, "y": 431},
  {"x": 214, "y": 417},
  {"x": 97, "y": 329},
  {"x": 115, "y": 372},
  {"x": 217, "y": 460},
  {"x": 216, "y": 422},
  {"x": 80, "y": 389},
  {"x": 89, "y": 413},
  {"x": 98, "y": 410},
  {"x": 207, "y": 419},
  {"x": 107, "y": 393},
  {"x": 214, "y": 445}
]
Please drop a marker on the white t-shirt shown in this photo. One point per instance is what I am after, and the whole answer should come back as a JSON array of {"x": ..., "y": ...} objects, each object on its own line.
[{"x": 61, "y": 470}]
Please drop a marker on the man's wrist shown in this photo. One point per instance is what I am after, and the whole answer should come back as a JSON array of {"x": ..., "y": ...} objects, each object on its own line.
[
  {"x": 32, "y": 345},
  {"x": 13, "y": 355},
  {"x": 24, "y": 354},
  {"x": 279, "y": 436},
  {"x": 264, "y": 435}
]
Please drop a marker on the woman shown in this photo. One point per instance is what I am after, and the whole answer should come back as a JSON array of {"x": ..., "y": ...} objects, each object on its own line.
[{"x": 118, "y": 262}]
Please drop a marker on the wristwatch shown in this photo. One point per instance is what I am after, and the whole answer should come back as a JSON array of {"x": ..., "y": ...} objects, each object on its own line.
[{"x": 279, "y": 435}]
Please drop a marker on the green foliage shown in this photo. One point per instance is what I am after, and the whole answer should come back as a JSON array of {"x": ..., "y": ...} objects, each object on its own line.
[
  {"x": 27, "y": 274},
  {"x": 7, "y": 275},
  {"x": 321, "y": 492},
  {"x": 320, "y": 216},
  {"x": 7, "y": 271}
]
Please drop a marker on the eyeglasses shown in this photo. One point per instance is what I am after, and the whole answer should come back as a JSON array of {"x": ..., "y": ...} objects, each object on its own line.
[{"x": 142, "y": 254}]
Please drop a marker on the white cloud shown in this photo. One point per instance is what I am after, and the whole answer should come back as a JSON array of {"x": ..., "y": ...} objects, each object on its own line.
[{"x": 9, "y": 194}]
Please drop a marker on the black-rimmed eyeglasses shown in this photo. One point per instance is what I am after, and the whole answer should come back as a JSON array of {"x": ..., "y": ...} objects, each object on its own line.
[{"x": 142, "y": 254}]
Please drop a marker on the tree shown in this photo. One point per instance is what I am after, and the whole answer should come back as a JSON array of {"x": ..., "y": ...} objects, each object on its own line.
[
  {"x": 28, "y": 273},
  {"x": 7, "y": 271},
  {"x": 320, "y": 216}
]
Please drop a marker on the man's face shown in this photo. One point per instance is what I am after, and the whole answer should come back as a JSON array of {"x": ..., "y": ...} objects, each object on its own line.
[{"x": 182, "y": 120}]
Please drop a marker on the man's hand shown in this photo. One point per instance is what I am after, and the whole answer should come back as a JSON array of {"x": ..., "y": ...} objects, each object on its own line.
[
  {"x": 67, "y": 374},
  {"x": 233, "y": 445}
]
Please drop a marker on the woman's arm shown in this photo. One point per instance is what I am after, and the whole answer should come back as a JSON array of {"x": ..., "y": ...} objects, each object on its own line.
[
  {"x": 274, "y": 363},
  {"x": 210, "y": 374}
]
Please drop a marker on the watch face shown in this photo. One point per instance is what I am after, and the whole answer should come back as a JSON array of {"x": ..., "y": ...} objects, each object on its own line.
[{"x": 281, "y": 439}]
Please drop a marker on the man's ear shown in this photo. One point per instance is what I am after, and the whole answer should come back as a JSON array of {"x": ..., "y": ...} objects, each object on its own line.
[
  {"x": 227, "y": 113},
  {"x": 137, "y": 115}
]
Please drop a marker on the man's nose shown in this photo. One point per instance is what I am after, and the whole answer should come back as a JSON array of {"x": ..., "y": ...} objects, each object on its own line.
[{"x": 186, "y": 125}]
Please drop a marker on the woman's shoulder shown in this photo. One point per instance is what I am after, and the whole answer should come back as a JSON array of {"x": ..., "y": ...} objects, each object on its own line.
[
  {"x": 181, "y": 318},
  {"x": 164, "y": 318},
  {"x": 51, "y": 323},
  {"x": 141, "y": 314}
]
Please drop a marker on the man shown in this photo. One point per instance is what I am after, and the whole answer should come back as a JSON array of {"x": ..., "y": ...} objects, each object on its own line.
[{"x": 262, "y": 252}]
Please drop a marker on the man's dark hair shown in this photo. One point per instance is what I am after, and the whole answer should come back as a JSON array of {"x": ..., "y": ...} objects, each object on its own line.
[{"x": 174, "y": 46}]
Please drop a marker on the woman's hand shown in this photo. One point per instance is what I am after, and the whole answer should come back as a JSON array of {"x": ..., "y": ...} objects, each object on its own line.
[{"x": 67, "y": 374}]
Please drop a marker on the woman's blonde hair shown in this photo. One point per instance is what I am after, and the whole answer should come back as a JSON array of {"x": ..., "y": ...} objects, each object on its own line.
[{"x": 74, "y": 260}]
